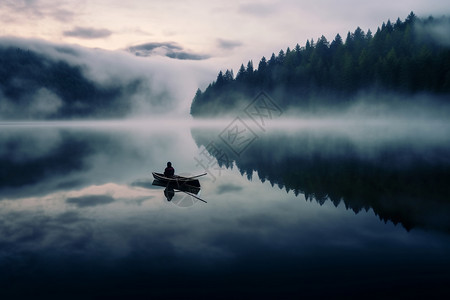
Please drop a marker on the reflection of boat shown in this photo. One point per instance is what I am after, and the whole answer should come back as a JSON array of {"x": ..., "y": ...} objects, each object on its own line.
[
  {"x": 169, "y": 193},
  {"x": 181, "y": 186},
  {"x": 177, "y": 180},
  {"x": 187, "y": 185}
]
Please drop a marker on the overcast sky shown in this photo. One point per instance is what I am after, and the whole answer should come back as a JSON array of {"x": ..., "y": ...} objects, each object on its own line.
[{"x": 235, "y": 31}]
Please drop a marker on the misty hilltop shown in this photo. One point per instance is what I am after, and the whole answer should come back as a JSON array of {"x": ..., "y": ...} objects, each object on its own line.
[
  {"x": 40, "y": 80},
  {"x": 36, "y": 86},
  {"x": 405, "y": 58}
]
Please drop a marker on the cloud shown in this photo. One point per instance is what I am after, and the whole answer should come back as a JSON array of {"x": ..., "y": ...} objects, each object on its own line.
[
  {"x": 90, "y": 200},
  {"x": 87, "y": 33},
  {"x": 115, "y": 82},
  {"x": 62, "y": 11},
  {"x": 155, "y": 45},
  {"x": 144, "y": 183},
  {"x": 228, "y": 44},
  {"x": 168, "y": 49},
  {"x": 186, "y": 55}
]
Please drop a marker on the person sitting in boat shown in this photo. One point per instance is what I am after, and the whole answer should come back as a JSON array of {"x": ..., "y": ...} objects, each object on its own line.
[{"x": 169, "y": 171}]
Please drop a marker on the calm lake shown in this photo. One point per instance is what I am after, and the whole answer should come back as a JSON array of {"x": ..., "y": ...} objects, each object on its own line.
[{"x": 294, "y": 208}]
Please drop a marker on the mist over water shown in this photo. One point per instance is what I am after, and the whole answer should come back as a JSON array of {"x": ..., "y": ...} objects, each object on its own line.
[
  {"x": 331, "y": 182},
  {"x": 322, "y": 203},
  {"x": 317, "y": 196}
]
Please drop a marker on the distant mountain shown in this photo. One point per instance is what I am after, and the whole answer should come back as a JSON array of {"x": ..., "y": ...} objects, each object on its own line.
[
  {"x": 45, "y": 81},
  {"x": 406, "y": 57},
  {"x": 33, "y": 85}
]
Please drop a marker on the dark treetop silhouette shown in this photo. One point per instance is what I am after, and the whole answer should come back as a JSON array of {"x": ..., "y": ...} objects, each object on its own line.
[{"x": 401, "y": 57}]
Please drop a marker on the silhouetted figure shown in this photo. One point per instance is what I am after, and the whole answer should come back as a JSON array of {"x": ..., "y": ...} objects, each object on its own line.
[
  {"x": 169, "y": 171},
  {"x": 169, "y": 193}
]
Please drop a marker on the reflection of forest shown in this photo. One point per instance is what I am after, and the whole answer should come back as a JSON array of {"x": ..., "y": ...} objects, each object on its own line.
[
  {"x": 41, "y": 162},
  {"x": 403, "y": 182}
]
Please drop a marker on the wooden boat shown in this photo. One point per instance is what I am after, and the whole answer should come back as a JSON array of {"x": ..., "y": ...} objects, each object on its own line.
[
  {"x": 188, "y": 185},
  {"x": 177, "y": 186},
  {"x": 177, "y": 180}
]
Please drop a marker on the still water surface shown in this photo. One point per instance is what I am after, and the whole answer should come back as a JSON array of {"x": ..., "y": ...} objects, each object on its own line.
[{"x": 320, "y": 209}]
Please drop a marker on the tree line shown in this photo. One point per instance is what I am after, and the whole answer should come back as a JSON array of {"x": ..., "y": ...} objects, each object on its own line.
[{"x": 400, "y": 57}]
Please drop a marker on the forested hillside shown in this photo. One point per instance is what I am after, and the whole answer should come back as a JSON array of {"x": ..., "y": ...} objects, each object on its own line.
[
  {"x": 405, "y": 57},
  {"x": 33, "y": 85}
]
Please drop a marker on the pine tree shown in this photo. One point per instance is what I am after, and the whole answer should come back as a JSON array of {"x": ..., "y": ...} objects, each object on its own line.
[
  {"x": 241, "y": 73},
  {"x": 387, "y": 60},
  {"x": 280, "y": 57},
  {"x": 220, "y": 80},
  {"x": 262, "y": 65},
  {"x": 250, "y": 68},
  {"x": 229, "y": 77}
]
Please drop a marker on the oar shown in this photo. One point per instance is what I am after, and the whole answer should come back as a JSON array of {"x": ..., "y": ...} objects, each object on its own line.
[
  {"x": 184, "y": 178},
  {"x": 196, "y": 176},
  {"x": 192, "y": 195}
]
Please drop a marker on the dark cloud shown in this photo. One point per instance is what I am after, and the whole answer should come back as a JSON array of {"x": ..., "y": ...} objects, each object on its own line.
[
  {"x": 228, "y": 188},
  {"x": 70, "y": 184},
  {"x": 87, "y": 33},
  {"x": 169, "y": 49},
  {"x": 90, "y": 200},
  {"x": 186, "y": 55},
  {"x": 152, "y": 46},
  {"x": 228, "y": 44},
  {"x": 69, "y": 217}
]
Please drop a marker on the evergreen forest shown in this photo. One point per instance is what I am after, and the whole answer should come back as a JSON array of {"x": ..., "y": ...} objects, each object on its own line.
[{"x": 403, "y": 57}]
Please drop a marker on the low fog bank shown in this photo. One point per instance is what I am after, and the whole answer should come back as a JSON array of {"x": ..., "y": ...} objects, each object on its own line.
[
  {"x": 436, "y": 30},
  {"x": 41, "y": 80},
  {"x": 390, "y": 107},
  {"x": 364, "y": 108}
]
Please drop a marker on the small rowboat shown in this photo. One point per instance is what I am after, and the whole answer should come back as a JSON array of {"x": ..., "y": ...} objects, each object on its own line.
[
  {"x": 177, "y": 186},
  {"x": 187, "y": 185},
  {"x": 177, "y": 180}
]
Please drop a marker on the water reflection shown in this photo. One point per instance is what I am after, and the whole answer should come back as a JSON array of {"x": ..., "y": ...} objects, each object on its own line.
[
  {"x": 79, "y": 216},
  {"x": 45, "y": 160},
  {"x": 188, "y": 192},
  {"x": 403, "y": 176}
]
